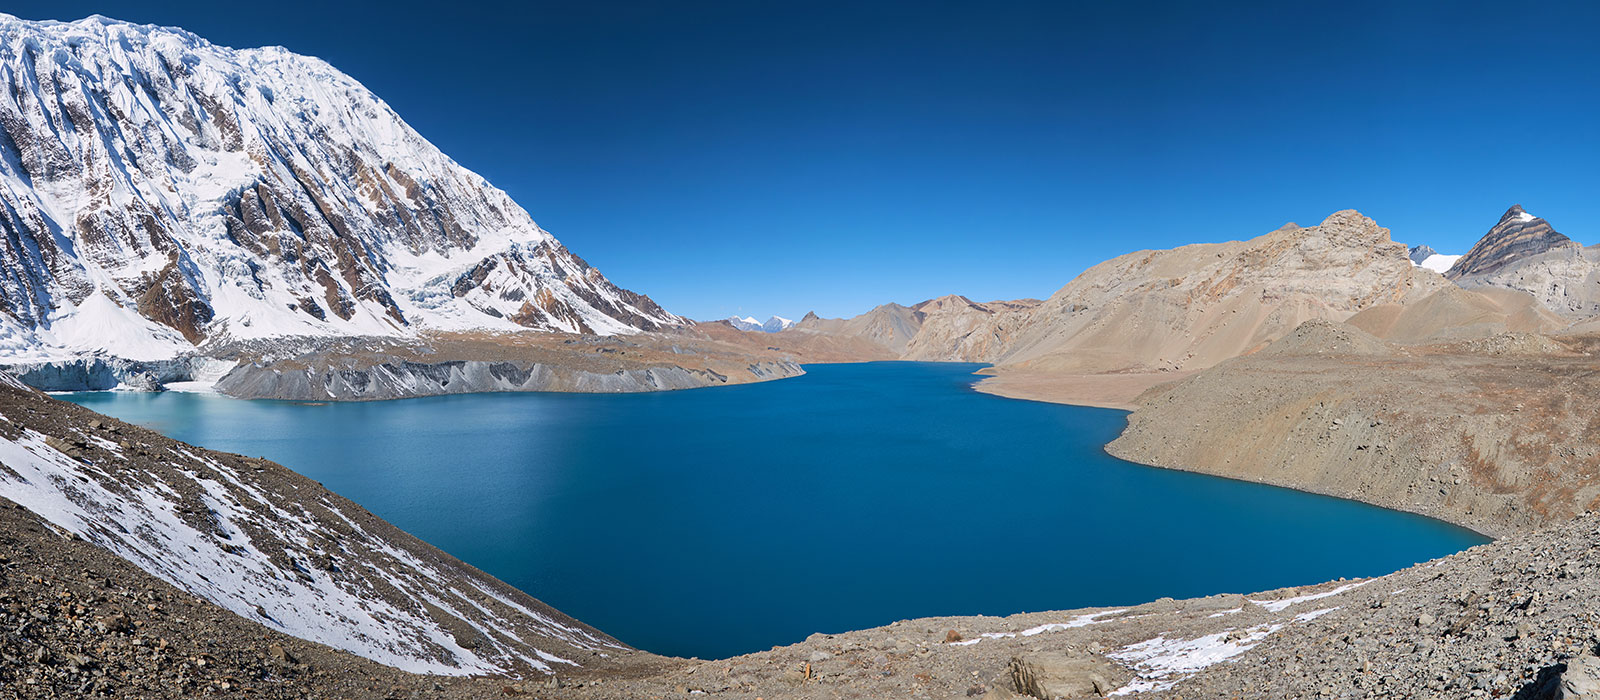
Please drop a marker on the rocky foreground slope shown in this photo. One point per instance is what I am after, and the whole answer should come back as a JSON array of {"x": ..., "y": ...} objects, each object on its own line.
[{"x": 272, "y": 547}]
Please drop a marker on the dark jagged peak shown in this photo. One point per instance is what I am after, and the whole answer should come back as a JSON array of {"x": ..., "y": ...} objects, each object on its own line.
[
  {"x": 1420, "y": 253},
  {"x": 1518, "y": 235}
]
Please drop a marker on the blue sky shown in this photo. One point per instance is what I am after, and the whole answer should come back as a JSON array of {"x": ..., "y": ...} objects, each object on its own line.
[{"x": 760, "y": 158}]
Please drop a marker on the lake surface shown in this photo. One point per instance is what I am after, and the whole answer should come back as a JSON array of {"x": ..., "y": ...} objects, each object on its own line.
[{"x": 721, "y": 521}]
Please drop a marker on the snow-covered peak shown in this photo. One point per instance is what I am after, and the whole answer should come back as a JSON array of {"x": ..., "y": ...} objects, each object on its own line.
[
  {"x": 250, "y": 193},
  {"x": 749, "y": 323}
]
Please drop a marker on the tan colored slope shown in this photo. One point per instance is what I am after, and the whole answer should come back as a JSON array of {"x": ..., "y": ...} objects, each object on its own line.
[
  {"x": 1195, "y": 306},
  {"x": 957, "y": 328},
  {"x": 1495, "y": 433},
  {"x": 890, "y": 326},
  {"x": 1162, "y": 311},
  {"x": 1453, "y": 312}
]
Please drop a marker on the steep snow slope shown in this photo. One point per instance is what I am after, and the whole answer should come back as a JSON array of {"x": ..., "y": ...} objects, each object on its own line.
[
  {"x": 272, "y": 546},
  {"x": 150, "y": 180}
]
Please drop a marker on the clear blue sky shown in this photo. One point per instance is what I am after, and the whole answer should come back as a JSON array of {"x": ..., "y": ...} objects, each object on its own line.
[{"x": 764, "y": 157}]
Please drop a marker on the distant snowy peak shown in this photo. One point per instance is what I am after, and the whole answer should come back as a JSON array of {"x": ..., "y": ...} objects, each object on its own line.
[
  {"x": 224, "y": 193},
  {"x": 749, "y": 323},
  {"x": 746, "y": 323},
  {"x": 1419, "y": 253}
]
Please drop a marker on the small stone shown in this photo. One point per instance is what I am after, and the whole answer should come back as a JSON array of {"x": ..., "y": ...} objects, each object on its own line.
[
  {"x": 1424, "y": 620},
  {"x": 819, "y": 656},
  {"x": 277, "y": 651},
  {"x": 952, "y": 637}
]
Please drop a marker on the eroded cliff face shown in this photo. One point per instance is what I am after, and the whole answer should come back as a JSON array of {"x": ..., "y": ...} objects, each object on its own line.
[{"x": 157, "y": 191}]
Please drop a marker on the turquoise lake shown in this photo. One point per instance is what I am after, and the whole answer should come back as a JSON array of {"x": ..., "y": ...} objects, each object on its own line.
[{"x": 715, "y": 522}]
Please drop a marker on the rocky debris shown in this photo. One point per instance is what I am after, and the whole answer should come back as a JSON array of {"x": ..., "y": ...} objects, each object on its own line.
[
  {"x": 1322, "y": 337},
  {"x": 1577, "y": 679}
]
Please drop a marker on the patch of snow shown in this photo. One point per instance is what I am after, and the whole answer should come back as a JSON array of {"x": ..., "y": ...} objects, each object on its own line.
[
  {"x": 1438, "y": 263},
  {"x": 1314, "y": 614},
  {"x": 1079, "y": 621},
  {"x": 1280, "y": 605},
  {"x": 1525, "y": 216},
  {"x": 1162, "y": 662}
]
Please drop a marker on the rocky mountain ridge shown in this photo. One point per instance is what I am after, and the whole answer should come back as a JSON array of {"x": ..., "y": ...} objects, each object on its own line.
[
  {"x": 161, "y": 192},
  {"x": 1162, "y": 311}
]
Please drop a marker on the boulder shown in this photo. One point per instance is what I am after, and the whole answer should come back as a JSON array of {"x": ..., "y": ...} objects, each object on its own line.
[{"x": 1057, "y": 676}]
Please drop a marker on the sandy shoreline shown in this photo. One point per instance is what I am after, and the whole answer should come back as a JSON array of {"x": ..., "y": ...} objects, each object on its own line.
[{"x": 1095, "y": 390}]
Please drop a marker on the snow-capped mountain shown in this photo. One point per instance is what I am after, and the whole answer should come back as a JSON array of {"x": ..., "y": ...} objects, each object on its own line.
[
  {"x": 749, "y": 323},
  {"x": 744, "y": 323},
  {"x": 158, "y": 191}
]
